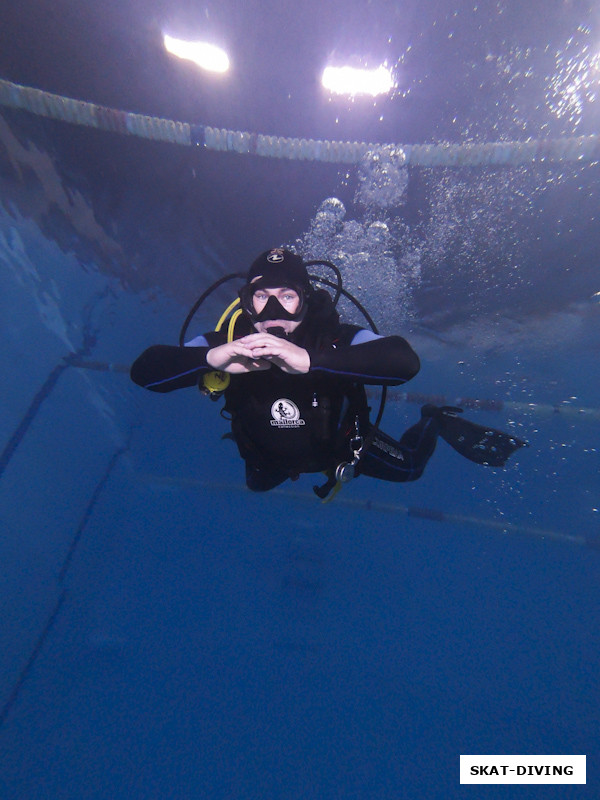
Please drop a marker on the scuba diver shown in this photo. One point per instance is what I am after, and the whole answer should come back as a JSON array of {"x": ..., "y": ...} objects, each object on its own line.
[{"x": 293, "y": 377}]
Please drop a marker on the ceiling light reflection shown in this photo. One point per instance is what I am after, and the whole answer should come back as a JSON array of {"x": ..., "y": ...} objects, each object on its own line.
[
  {"x": 353, "y": 81},
  {"x": 206, "y": 56}
]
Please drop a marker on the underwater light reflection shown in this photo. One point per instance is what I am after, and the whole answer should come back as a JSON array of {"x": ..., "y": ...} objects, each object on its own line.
[
  {"x": 353, "y": 81},
  {"x": 205, "y": 55}
]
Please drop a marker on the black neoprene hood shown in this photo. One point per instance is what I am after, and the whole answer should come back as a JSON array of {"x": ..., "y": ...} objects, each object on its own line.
[{"x": 278, "y": 268}]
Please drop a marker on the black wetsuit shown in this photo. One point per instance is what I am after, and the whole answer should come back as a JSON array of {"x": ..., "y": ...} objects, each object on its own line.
[{"x": 286, "y": 424}]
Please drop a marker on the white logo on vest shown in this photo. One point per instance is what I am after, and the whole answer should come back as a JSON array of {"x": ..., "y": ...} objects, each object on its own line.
[{"x": 286, "y": 414}]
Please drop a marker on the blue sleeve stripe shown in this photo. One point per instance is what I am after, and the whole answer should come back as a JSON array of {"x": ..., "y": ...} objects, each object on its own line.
[
  {"x": 363, "y": 335},
  {"x": 360, "y": 375},
  {"x": 171, "y": 378},
  {"x": 197, "y": 341}
]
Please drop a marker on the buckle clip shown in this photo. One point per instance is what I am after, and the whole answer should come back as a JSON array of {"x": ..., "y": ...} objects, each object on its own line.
[{"x": 346, "y": 471}]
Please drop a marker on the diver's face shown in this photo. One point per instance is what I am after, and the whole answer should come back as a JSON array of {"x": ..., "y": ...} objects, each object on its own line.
[{"x": 289, "y": 300}]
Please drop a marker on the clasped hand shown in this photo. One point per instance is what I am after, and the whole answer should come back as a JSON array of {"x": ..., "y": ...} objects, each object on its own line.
[{"x": 259, "y": 351}]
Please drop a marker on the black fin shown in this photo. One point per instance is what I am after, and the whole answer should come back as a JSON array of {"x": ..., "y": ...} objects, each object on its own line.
[{"x": 479, "y": 443}]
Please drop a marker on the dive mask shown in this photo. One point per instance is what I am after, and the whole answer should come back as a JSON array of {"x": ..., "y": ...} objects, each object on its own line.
[{"x": 273, "y": 308}]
